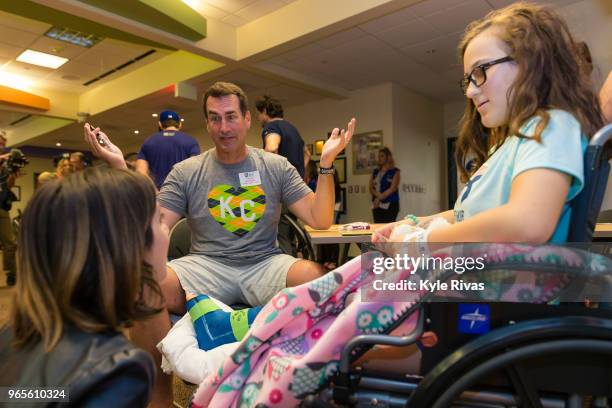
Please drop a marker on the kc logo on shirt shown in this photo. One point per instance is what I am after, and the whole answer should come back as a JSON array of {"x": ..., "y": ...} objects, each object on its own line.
[{"x": 237, "y": 209}]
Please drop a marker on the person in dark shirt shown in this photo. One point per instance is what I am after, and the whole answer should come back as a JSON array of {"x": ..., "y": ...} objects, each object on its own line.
[
  {"x": 164, "y": 149},
  {"x": 6, "y": 230},
  {"x": 281, "y": 137}
]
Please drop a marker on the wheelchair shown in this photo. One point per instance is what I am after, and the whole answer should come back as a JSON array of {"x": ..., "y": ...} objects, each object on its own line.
[{"x": 530, "y": 354}]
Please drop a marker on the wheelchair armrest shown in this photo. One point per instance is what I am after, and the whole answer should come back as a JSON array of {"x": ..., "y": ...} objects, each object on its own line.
[
  {"x": 378, "y": 339},
  {"x": 342, "y": 380}
]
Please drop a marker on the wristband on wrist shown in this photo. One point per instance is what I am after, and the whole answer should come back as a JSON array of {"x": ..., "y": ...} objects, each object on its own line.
[
  {"x": 412, "y": 218},
  {"x": 327, "y": 170}
]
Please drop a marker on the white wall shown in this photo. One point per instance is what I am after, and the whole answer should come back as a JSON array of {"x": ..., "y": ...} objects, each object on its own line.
[
  {"x": 452, "y": 115},
  {"x": 418, "y": 148}
]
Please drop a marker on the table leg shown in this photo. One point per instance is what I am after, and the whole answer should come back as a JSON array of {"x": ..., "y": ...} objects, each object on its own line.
[{"x": 344, "y": 253}]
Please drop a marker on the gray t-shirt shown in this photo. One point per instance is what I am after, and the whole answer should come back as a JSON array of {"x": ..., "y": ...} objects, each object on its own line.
[{"x": 233, "y": 209}]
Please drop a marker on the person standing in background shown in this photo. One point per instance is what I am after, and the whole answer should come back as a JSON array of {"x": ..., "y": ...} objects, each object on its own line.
[
  {"x": 63, "y": 168},
  {"x": 281, "y": 137},
  {"x": 384, "y": 184},
  {"x": 78, "y": 161},
  {"x": 130, "y": 160},
  {"x": 165, "y": 148},
  {"x": 6, "y": 230}
]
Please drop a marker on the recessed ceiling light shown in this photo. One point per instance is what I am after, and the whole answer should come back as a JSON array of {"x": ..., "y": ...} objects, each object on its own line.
[
  {"x": 136, "y": 132},
  {"x": 182, "y": 120},
  {"x": 154, "y": 115},
  {"x": 58, "y": 144},
  {"x": 41, "y": 59}
]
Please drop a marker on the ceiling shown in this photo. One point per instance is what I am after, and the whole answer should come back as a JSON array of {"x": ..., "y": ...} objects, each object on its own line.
[
  {"x": 236, "y": 12},
  {"x": 18, "y": 34},
  {"x": 415, "y": 47}
]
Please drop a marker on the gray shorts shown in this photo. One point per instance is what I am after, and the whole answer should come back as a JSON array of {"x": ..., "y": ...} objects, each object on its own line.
[{"x": 252, "y": 284}]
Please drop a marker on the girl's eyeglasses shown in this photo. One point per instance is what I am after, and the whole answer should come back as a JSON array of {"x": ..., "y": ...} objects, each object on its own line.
[{"x": 478, "y": 76}]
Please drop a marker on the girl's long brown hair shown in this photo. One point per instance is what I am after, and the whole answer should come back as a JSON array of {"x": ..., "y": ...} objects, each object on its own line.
[
  {"x": 551, "y": 76},
  {"x": 81, "y": 256}
]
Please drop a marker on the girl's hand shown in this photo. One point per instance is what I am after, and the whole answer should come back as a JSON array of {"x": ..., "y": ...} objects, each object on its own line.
[{"x": 108, "y": 152}]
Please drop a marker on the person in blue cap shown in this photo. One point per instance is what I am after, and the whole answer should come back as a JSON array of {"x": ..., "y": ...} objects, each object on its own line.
[{"x": 165, "y": 148}]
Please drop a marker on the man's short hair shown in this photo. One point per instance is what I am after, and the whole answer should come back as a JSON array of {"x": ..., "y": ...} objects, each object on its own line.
[
  {"x": 271, "y": 106},
  {"x": 219, "y": 89},
  {"x": 80, "y": 155}
]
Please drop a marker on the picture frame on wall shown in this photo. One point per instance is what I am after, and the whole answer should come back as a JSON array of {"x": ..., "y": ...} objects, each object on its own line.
[
  {"x": 365, "y": 151},
  {"x": 309, "y": 147},
  {"x": 340, "y": 165},
  {"x": 343, "y": 198},
  {"x": 318, "y": 146}
]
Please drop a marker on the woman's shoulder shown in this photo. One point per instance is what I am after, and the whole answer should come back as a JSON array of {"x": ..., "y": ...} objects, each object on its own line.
[
  {"x": 113, "y": 362},
  {"x": 105, "y": 353},
  {"x": 558, "y": 119}
]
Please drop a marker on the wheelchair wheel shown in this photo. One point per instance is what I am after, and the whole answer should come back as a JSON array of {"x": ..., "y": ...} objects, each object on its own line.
[{"x": 523, "y": 355}]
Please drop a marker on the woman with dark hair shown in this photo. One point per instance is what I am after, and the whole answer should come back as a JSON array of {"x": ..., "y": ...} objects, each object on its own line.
[
  {"x": 529, "y": 114},
  {"x": 384, "y": 185},
  {"x": 91, "y": 250}
]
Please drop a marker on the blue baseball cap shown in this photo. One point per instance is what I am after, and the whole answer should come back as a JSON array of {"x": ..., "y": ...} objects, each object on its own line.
[{"x": 165, "y": 115}]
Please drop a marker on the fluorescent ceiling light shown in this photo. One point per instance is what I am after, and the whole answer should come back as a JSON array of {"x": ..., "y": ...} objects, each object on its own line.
[
  {"x": 73, "y": 36},
  {"x": 41, "y": 59}
]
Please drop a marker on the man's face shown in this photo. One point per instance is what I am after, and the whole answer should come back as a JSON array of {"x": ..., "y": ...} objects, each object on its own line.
[
  {"x": 77, "y": 163},
  {"x": 226, "y": 124}
]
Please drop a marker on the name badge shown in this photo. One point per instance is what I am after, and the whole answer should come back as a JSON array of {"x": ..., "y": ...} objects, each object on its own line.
[{"x": 249, "y": 178}]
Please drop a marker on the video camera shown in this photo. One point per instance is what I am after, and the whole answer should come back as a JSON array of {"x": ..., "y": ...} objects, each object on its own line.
[{"x": 15, "y": 161}]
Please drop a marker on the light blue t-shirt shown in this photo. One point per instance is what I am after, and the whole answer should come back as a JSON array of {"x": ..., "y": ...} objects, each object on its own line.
[{"x": 562, "y": 148}]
